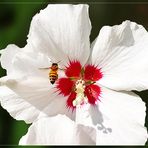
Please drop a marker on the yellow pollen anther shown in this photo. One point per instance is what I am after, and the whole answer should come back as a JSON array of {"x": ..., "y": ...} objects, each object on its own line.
[{"x": 80, "y": 98}]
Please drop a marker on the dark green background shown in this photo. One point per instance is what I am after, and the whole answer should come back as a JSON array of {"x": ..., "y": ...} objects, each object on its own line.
[{"x": 15, "y": 18}]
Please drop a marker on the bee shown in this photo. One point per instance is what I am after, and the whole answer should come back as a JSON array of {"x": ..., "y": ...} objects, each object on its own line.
[{"x": 53, "y": 74}]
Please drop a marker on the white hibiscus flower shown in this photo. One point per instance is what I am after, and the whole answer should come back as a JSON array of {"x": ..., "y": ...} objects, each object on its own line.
[{"x": 93, "y": 89}]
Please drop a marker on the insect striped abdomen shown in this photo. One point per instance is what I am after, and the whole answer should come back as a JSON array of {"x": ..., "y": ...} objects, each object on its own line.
[{"x": 53, "y": 76}]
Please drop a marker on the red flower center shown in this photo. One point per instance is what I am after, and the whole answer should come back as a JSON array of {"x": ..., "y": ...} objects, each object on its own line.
[{"x": 79, "y": 84}]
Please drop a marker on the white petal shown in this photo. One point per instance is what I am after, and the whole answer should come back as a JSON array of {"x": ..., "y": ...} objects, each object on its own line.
[
  {"x": 22, "y": 61},
  {"x": 61, "y": 32},
  {"x": 30, "y": 63},
  {"x": 7, "y": 57},
  {"x": 118, "y": 117},
  {"x": 58, "y": 130},
  {"x": 27, "y": 97},
  {"x": 121, "y": 52},
  {"x": 123, "y": 118},
  {"x": 17, "y": 107}
]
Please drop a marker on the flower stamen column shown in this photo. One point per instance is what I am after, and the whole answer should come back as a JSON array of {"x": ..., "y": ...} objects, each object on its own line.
[{"x": 80, "y": 97}]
